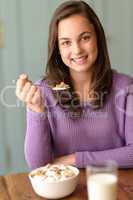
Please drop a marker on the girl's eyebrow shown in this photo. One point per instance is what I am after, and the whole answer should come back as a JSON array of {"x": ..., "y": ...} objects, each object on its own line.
[{"x": 80, "y": 35}]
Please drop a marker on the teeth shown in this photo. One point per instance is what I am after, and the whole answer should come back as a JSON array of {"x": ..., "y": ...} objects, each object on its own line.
[{"x": 80, "y": 60}]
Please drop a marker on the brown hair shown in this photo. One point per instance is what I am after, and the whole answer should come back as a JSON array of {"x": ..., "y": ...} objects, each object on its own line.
[{"x": 57, "y": 71}]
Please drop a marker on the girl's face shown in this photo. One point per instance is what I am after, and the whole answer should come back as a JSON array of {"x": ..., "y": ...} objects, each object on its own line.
[{"x": 77, "y": 43}]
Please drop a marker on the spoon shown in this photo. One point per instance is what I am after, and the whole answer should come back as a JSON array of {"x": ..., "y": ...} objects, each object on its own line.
[{"x": 61, "y": 86}]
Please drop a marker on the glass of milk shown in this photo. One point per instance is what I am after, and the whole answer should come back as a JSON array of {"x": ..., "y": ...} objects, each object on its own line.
[{"x": 102, "y": 181}]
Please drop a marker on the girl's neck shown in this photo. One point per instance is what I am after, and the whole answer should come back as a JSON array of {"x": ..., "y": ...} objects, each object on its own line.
[
  {"x": 80, "y": 80},
  {"x": 81, "y": 84}
]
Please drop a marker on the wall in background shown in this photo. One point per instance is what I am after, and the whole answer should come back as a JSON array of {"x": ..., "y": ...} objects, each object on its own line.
[{"x": 26, "y": 32}]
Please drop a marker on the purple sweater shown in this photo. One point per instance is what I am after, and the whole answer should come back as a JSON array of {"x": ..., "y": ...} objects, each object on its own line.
[{"x": 105, "y": 134}]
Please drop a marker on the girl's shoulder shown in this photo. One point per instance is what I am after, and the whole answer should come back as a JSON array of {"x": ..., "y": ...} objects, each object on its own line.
[{"x": 121, "y": 80}]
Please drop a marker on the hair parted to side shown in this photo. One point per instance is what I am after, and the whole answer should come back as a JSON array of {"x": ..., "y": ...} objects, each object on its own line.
[{"x": 57, "y": 71}]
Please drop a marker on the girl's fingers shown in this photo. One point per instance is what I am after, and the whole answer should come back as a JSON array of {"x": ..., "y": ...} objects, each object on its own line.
[
  {"x": 19, "y": 86},
  {"x": 30, "y": 94},
  {"x": 23, "y": 78},
  {"x": 36, "y": 99},
  {"x": 25, "y": 91}
]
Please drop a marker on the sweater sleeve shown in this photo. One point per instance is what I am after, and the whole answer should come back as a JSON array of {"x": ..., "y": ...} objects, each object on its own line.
[
  {"x": 38, "y": 150},
  {"x": 123, "y": 155},
  {"x": 38, "y": 139}
]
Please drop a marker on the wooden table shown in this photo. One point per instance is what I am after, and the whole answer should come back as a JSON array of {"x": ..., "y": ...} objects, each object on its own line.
[{"x": 18, "y": 187}]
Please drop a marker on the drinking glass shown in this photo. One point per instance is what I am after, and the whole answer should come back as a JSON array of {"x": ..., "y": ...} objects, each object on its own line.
[{"x": 102, "y": 181}]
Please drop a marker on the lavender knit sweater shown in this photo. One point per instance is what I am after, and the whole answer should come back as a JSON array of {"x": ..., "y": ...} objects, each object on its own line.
[{"x": 95, "y": 137}]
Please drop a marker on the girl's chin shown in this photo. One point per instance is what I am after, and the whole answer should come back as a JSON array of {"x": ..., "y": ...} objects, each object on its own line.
[
  {"x": 80, "y": 68},
  {"x": 85, "y": 70}
]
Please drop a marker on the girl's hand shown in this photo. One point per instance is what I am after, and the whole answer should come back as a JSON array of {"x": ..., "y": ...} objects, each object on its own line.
[
  {"x": 29, "y": 94},
  {"x": 65, "y": 160}
]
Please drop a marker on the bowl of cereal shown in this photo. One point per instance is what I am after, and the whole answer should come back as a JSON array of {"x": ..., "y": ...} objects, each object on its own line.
[{"x": 54, "y": 181}]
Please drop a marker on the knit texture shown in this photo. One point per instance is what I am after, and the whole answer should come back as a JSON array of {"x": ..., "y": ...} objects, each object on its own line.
[{"x": 105, "y": 134}]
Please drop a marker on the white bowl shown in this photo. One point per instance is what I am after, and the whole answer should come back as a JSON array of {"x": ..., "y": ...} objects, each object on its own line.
[{"x": 54, "y": 189}]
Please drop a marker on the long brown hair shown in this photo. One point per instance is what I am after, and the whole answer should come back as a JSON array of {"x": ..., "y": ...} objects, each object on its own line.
[{"x": 57, "y": 71}]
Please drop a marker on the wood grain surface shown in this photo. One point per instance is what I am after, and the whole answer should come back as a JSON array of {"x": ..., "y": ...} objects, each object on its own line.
[{"x": 18, "y": 187}]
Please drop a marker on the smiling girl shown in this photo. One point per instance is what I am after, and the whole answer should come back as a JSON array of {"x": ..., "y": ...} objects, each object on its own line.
[{"x": 90, "y": 121}]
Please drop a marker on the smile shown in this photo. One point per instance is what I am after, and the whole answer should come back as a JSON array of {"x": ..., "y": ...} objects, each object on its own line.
[{"x": 80, "y": 60}]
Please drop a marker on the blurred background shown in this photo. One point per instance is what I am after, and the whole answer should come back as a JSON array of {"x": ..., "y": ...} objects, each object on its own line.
[{"x": 23, "y": 49}]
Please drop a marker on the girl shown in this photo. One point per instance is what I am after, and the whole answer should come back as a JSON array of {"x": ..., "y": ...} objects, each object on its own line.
[{"x": 91, "y": 120}]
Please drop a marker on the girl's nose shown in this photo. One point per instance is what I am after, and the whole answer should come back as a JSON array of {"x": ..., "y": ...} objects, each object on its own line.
[{"x": 76, "y": 48}]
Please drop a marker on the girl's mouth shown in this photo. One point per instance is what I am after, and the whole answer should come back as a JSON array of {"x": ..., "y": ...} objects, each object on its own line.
[{"x": 80, "y": 60}]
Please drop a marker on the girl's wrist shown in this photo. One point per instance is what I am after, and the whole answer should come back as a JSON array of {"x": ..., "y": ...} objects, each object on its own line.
[{"x": 38, "y": 109}]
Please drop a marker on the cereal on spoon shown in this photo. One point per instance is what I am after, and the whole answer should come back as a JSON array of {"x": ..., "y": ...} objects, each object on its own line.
[{"x": 61, "y": 86}]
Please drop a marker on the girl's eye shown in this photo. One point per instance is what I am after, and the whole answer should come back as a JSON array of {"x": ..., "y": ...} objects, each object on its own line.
[
  {"x": 86, "y": 38},
  {"x": 66, "y": 43}
]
